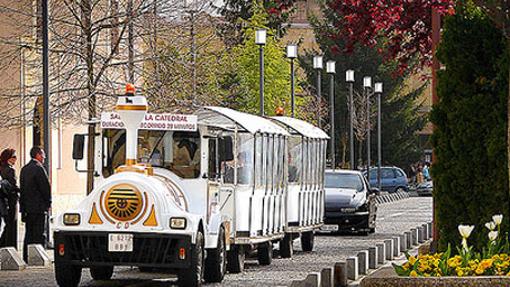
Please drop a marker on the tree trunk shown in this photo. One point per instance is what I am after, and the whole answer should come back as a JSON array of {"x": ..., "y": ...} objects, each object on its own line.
[{"x": 87, "y": 30}]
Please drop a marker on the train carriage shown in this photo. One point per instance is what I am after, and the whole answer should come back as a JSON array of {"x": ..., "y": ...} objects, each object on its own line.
[
  {"x": 193, "y": 194},
  {"x": 305, "y": 197}
]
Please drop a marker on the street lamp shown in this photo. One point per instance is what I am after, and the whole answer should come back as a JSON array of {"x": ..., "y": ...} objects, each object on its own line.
[
  {"x": 349, "y": 78},
  {"x": 330, "y": 69},
  {"x": 367, "y": 85},
  {"x": 317, "y": 65},
  {"x": 378, "y": 89},
  {"x": 292, "y": 54},
  {"x": 260, "y": 39}
]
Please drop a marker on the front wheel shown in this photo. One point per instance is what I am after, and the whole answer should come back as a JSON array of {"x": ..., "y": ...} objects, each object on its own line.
[
  {"x": 192, "y": 277},
  {"x": 215, "y": 262},
  {"x": 286, "y": 250},
  {"x": 101, "y": 272},
  {"x": 67, "y": 275},
  {"x": 265, "y": 253},
  {"x": 307, "y": 240}
]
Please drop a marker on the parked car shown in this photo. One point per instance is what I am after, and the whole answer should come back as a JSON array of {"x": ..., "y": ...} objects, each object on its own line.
[
  {"x": 349, "y": 202},
  {"x": 393, "y": 179},
  {"x": 425, "y": 189}
]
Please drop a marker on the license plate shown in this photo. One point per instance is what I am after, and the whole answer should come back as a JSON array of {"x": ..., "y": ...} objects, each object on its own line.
[
  {"x": 120, "y": 242},
  {"x": 329, "y": 228}
]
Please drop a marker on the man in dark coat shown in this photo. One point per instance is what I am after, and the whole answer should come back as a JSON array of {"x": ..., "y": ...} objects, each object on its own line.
[{"x": 35, "y": 199}]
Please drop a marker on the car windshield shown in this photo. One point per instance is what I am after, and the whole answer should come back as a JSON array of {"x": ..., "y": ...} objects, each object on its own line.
[{"x": 338, "y": 180}]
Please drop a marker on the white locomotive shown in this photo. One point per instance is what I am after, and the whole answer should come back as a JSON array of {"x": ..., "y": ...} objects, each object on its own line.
[{"x": 193, "y": 194}]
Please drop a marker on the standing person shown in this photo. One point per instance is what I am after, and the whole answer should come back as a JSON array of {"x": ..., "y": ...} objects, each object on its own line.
[
  {"x": 35, "y": 200},
  {"x": 426, "y": 173},
  {"x": 9, "y": 237}
]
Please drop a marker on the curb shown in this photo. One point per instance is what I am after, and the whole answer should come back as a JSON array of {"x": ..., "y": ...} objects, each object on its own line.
[{"x": 356, "y": 267}]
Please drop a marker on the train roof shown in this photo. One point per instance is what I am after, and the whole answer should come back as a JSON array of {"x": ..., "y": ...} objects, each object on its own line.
[
  {"x": 304, "y": 128},
  {"x": 227, "y": 118}
]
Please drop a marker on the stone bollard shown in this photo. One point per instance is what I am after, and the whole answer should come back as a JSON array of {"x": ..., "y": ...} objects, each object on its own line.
[
  {"x": 352, "y": 268},
  {"x": 340, "y": 274},
  {"x": 421, "y": 239},
  {"x": 10, "y": 259},
  {"x": 372, "y": 258},
  {"x": 327, "y": 275},
  {"x": 363, "y": 262},
  {"x": 426, "y": 234},
  {"x": 37, "y": 256},
  {"x": 403, "y": 242},
  {"x": 381, "y": 254},
  {"x": 396, "y": 246},
  {"x": 414, "y": 236},
  {"x": 388, "y": 246},
  {"x": 407, "y": 235},
  {"x": 312, "y": 280}
]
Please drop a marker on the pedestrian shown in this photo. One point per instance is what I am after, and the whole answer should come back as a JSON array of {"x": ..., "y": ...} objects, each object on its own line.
[
  {"x": 419, "y": 174},
  {"x": 35, "y": 200},
  {"x": 426, "y": 173},
  {"x": 9, "y": 237}
]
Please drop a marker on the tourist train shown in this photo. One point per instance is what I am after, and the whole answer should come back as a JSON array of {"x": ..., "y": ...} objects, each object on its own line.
[{"x": 192, "y": 194}]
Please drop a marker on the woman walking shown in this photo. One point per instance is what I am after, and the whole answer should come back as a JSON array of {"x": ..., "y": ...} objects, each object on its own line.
[{"x": 9, "y": 236}]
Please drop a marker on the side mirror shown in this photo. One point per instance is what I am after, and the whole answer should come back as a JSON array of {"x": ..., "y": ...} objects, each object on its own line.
[
  {"x": 374, "y": 190},
  {"x": 226, "y": 149},
  {"x": 78, "y": 145}
]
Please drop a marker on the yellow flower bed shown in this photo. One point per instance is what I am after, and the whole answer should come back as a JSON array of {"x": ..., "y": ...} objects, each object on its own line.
[
  {"x": 436, "y": 265},
  {"x": 492, "y": 260}
]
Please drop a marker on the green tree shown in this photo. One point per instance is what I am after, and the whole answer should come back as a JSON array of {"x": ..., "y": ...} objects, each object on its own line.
[
  {"x": 241, "y": 82},
  {"x": 470, "y": 175},
  {"x": 401, "y": 119}
]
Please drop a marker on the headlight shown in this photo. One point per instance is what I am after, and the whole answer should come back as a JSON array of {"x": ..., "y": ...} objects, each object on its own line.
[
  {"x": 363, "y": 207},
  {"x": 71, "y": 219},
  {"x": 178, "y": 223}
]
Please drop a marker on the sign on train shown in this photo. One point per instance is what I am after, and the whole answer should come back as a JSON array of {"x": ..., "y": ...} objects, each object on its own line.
[{"x": 169, "y": 122}]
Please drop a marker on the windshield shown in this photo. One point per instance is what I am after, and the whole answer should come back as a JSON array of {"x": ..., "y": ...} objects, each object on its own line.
[
  {"x": 178, "y": 152},
  {"x": 337, "y": 180}
]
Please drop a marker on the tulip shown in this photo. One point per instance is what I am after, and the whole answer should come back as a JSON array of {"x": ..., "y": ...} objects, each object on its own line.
[
  {"x": 490, "y": 225},
  {"x": 493, "y": 235},
  {"x": 465, "y": 231},
  {"x": 498, "y": 219}
]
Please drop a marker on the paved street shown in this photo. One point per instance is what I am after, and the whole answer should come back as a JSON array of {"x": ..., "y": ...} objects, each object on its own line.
[{"x": 392, "y": 219}]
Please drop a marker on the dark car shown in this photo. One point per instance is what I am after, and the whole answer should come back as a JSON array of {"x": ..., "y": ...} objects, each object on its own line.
[
  {"x": 393, "y": 179},
  {"x": 350, "y": 203},
  {"x": 425, "y": 189}
]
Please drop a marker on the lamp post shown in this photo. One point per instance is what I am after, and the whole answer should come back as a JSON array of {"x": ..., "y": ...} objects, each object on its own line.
[
  {"x": 292, "y": 54},
  {"x": 317, "y": 65},
  {"x": 330, "y": 69},
  {"x": 378, "y": 89},
  {"x": 367, "y": 85},
  {"x": 349, "y": 78},
  {"x": 260, "y": 39}
]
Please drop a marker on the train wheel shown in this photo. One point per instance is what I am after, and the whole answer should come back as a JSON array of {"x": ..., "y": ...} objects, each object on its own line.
[
  {"x": 215, "y": 262},
  {"x": 286, "y": 246},
  {"x": 101, "y": 272},
  {"x": 236, "y": 256},
  {"x": 265, "y": 253},
  {"x": 307, "y": 240},
  {"x": 67, "y": 275},
  {"x": 192, "y": 276}
]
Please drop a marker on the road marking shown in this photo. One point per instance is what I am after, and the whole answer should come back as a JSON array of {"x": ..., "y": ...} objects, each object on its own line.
[{"x": 396, "y": 214}]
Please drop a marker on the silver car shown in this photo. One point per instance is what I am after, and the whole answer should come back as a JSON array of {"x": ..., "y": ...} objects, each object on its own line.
[{"x": 350, "y": 203}]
